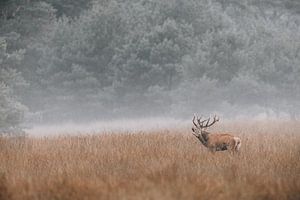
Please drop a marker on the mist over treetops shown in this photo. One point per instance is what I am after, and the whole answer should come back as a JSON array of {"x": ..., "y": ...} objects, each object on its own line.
[{"x": 86, "y": 60}]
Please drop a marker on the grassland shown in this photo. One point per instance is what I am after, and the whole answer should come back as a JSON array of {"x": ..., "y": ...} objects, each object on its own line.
[{"x": 164, "y": 164}]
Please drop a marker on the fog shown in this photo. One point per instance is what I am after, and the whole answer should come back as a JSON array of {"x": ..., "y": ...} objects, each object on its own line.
[
  {"x": 100, "y": 127},
  {"x": 137, "y": 125},
  {"x": 96, "y": 66}
]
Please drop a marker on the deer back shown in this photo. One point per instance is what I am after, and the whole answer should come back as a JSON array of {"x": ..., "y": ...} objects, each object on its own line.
[{"x": 220, "y": 140}]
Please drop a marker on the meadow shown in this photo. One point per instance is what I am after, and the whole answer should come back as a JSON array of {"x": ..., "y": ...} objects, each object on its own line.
[{"x": 167, "y": 163}]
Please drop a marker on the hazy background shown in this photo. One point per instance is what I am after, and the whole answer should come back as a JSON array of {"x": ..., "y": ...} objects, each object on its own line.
[{"x": 99, "y": 60}]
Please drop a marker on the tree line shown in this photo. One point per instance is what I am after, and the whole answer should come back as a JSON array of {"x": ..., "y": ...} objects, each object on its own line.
[{"x": 84, "y": 60}]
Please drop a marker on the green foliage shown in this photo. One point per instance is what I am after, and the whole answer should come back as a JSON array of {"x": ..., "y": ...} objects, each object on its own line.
[
  {"x": 105, "y": 58},
  {"x": 11, "y": 110},
  {"x": 69, "y": 8}
]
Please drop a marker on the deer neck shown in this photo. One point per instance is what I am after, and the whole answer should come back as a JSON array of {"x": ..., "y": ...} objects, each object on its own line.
[
  {"x": 200, "y": 137},
  {"x": 205, "y": 136}
]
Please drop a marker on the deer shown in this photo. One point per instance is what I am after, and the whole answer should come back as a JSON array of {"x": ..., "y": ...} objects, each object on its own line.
[{"x": 215, "y": 141}]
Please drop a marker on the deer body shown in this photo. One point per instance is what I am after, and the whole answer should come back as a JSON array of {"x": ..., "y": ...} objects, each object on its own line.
[{"x": 215, "y": 142}]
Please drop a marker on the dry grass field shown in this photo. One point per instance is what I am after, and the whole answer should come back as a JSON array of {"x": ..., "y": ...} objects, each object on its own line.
[{"x": 165, "y": 164}]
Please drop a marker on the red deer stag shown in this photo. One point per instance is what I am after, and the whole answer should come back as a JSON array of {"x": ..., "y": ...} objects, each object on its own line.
[{"x": 214, "y": 142}]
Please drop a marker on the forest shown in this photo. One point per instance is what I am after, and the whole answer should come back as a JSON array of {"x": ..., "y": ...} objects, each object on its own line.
[{"x": 89, "y": 60}]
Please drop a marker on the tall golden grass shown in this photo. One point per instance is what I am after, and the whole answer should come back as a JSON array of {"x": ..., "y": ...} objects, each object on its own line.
[{"x": 166, "y": 164}]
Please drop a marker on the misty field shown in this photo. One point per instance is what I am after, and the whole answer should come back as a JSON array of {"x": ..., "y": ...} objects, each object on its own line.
[{"x": 162, "y": 164}]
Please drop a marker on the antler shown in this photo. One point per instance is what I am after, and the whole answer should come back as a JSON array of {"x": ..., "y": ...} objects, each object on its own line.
[
  {"x": 194, "y": 121},
  {"x": 216, "y": 119},
  {"x": 200, "y": 123}
]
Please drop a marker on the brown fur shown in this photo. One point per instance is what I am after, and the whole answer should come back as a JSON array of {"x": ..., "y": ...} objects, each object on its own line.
[{"x": 217, "y": 141}]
